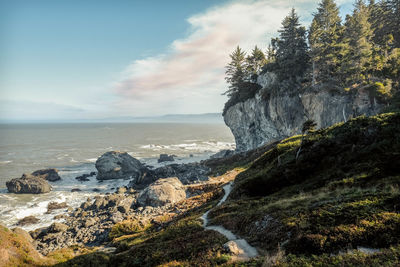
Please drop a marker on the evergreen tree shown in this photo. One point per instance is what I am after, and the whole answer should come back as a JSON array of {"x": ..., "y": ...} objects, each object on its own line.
[
  {"x": 255, "y": 61},
  {"x": 324, "y": 38},
  {"x": 358, "y": 45},
  {"x": 292, "y": 51},
  {"x": 235, "y": 71}
]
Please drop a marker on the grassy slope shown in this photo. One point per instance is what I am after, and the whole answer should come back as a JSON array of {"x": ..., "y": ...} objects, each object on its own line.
[{"x": 342, "y": 192}]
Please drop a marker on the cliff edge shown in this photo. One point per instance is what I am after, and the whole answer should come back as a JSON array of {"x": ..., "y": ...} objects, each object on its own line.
[{"x": 278, "y": 110}]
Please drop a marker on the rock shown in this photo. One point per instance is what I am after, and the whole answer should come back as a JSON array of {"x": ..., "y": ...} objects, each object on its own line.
[
  {"x": 121, "y": 190},
  {"x": 60, "y": 216},
  {"x": 161, "y": 192},
  {"x": 83, "y": 178},
  {"x": 89, "y": 222},
  {"x": 223, "y": 154},
  {"x": 232, "y": 248},
  {"x": 118, "y": 165},
  {"x": 96, "y": 190},
  {"x": 28, "y": 220},
  {"x": 37, "y": 233},
  {"x": 186, "y": 173},
  {"x": 28, "y": 184},
  {"x": 55, "y": 206},
  {"x": 92, "y": 174},
  {"x": 47, "y": 174},
  {"x": 165, "y": 157},
  {"x": 75, "y": 190},
  {"x": 57, "y": 227},
  {"x": 276, "y": 114}
]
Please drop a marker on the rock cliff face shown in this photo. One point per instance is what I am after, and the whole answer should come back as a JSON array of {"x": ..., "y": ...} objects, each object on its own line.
[{"x": 275, "y": 113}]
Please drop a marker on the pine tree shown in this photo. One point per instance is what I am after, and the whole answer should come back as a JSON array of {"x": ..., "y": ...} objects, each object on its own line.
[
  {"x": 358, "y": 45},
  {"x": 235, "y": 71},
  {"x": 255, "y": 61},
  {"x": 324, "y": 38},
  {"x": 292, "y": 57}
]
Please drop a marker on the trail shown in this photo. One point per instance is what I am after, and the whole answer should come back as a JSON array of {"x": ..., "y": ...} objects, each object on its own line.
[{"x": 245, "y": 250}]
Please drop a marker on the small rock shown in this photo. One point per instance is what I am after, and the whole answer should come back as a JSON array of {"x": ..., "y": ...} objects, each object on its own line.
[
  {"x": 57, "y": 227},
  {"x": 28, "y": 220},
  {"x": 121, "y": 190},
  {"x": 55, "y": 206},
  {"x": 232, "y": 248},
  {"x": 75, "y": 190}
]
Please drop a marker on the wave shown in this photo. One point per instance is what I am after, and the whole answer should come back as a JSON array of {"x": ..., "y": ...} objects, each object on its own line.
[{"x": 5, "y": 161}]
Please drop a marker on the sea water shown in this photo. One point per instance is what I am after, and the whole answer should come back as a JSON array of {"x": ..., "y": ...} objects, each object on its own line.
[{"x": 73, "y": 150}]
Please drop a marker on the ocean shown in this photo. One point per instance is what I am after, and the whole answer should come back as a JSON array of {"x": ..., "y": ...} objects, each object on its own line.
[{"x": 73, "y": 149}]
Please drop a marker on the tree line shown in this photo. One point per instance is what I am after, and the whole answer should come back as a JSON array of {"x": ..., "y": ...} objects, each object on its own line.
[{"x": 364, "y": 50}]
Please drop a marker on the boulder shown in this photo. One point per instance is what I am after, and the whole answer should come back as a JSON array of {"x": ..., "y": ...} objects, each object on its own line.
[
  {"x": 118, "y": 165},
  {"x": 28, "y": 220},
  {"x": 28, "y": 184},
  {"x": 165, "y": 157},
  {"x": 162, "y": 192},
  {"x": 57, "y": 227},
  {"x": 47, "y": 174},
  {"x": 56, "y": 206}
]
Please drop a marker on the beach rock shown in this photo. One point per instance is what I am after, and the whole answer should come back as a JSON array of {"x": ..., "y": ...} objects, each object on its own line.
[
  {"x": 83, "y": 177},
  {"x": 57, "y": 227},
  {"x": 28, "y": 220},
  {"x": 56, "y": 206},
  {"x": 165, "y": 157},
  {"x": 186, "y": 173},
  {"x": 28, "y": 184},
  {"x": 75, "y": 190},
  {"x": 47, "y": 174},
  {"x": 162, "y": 192},
  {"x": 118, "y": 165}
]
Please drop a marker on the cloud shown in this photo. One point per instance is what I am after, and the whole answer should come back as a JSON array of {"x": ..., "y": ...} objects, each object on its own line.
[{"x": 189, "y": 78}]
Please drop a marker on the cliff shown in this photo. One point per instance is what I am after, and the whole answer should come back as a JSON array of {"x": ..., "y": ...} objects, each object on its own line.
[{"x": 278, "y": 110}]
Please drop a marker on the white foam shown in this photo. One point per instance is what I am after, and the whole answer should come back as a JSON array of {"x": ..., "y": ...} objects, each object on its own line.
[{"x": 5, "y": 161}]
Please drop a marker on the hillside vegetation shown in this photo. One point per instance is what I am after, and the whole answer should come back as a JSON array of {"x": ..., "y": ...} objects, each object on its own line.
[{"x": 342, "y": 192}]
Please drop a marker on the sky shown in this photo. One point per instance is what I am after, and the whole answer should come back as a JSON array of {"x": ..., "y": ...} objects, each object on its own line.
[{"x": 92, "y": 59}]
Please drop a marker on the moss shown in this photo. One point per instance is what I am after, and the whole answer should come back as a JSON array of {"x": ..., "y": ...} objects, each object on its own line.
[{"x": 128, "y": 227}]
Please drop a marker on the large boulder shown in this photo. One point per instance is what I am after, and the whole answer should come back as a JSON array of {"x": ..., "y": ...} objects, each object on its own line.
[
  {"x": 119, "y": 165},
  {"x": 162, "y": 192},
  {"x": 28, "y": 184},
  {"x": 47, "y": 174}
]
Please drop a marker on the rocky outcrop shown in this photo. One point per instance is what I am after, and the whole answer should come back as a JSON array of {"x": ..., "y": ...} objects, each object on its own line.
[
  {"x": 47, "y": 174},
  {"x": 162, "y": 192},
  {"x": 119, "y": 165},
  {"x": 277, "y": 111},
  {"x": 28, "y": 184}
]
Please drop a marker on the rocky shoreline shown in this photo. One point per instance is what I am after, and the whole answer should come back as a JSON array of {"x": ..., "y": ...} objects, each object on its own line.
[{"x": 151, "y": 196}]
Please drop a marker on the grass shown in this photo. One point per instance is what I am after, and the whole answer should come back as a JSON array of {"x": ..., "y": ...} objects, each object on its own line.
[{"x": 342, "y": 192}]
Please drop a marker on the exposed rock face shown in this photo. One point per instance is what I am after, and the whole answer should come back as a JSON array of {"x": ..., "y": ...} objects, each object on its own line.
[
  {"x": 28, "y": 184},
  {"x": 47, "y": 174},
  {"x": 162, "y": 192},
  {"x": 118, "y": 165},
  {"x": 275, "y": 114}
]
